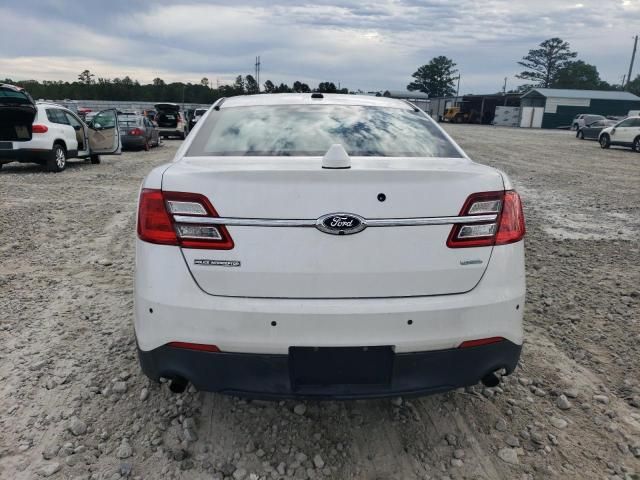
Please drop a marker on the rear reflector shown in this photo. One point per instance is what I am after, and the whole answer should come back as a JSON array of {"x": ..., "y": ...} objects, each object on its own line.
[
  {"x": 37, "y": 128},
  {"x": 156, "y": 223},
  {"x": 194, "y": 346},
  {"x": 480, "y": 342},
  {"x": 508, "y": 227}
]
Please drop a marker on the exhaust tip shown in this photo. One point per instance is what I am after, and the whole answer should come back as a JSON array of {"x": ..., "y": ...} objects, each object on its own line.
[
  {"x": 491, "y": 380},
  {"x": 178, "y": 384}
]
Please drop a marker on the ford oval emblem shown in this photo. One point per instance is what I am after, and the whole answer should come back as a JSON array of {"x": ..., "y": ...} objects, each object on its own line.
[{"x": 341, "y": 223}]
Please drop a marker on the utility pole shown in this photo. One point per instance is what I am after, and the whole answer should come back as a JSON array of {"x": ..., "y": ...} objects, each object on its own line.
[
  {"x": 258, "y": 72},
  {"x": 633, "y": 57},
  {"x": 458, "y": 87}
]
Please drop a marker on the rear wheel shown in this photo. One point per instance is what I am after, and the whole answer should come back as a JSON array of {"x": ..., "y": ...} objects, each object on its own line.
[
  {"x": 636, "y": 144},
  {"x": 57, "y": 161},
  {"x": 605, "y": 141},
  {"x": 95, "y": 159}
]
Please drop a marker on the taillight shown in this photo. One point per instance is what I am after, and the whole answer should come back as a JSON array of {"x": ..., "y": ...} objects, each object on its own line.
[
  {"x": 171, "y": 218},
  {"x": 506, "y": 227},
  {"x": 512, "y": 227},
  {"x": 37, "y": 128},
  {"x": 136, "y": 132},
  {"x": 154, "y": 223}
]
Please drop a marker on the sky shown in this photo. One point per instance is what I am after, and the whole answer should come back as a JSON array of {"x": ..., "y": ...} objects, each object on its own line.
[{"x": 374, "y": 45}]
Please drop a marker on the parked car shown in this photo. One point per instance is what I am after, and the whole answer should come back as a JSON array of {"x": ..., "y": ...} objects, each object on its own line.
[
  {"x": 327, "y": 246},
  {"x": 591, "y": 131},
  {"x": 583, "y": 119},
  {"x": 625, "y": 134},
  {"x": 50, "y": 134},
  {"x": 138, "y": 131},
  {"x": 171, "y": 120},
  {"x": 197, "y": 114}
]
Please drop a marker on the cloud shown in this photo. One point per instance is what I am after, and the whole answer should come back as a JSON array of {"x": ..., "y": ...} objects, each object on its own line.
[{"x": 372, "y": 45}]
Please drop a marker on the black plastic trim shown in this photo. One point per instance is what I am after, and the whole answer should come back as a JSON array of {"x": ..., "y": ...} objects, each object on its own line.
[{"x": 269, "y": 376}]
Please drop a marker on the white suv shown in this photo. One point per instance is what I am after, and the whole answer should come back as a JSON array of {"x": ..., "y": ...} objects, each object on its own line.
[
  {"x": 327, "y": 246},
  {"x": 625, "y": 133},
  {"x": 50, "y": 134}
]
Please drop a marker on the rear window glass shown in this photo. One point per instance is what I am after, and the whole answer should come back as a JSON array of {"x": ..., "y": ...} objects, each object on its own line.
[
  {"x": 128, "y": 122},
  {"x": 9, "y": 95},
  {"x": 309, "y": 130}
]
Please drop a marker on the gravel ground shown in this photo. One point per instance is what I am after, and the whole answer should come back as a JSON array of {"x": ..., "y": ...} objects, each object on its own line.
[{"x": 74, "y": 405}]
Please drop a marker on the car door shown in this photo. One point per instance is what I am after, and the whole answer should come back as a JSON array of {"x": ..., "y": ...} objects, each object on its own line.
[
  {"x": 79, "y": 129},
  {"x": 623, "y": 132},
  {"x": 63, "y": 129},
  {"x": 104, "y": 133}
]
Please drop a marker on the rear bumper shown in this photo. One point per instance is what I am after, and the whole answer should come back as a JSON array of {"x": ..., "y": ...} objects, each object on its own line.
[
  {"x": 272, "y": 376},
  {"x": 171, "y": 132},
  {"x": 132, "y": 141},
  {"x": 24, "y": 155}
]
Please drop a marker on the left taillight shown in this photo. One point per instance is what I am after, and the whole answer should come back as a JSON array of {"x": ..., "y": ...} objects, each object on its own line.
[
  {"x": 172, "y": 218},
  {"x": 507, "y": 227},
  {"x": 38, "y": 128}
]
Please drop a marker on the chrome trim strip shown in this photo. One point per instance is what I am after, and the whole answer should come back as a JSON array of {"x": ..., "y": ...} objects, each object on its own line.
[{"x": 374, "y": 222}]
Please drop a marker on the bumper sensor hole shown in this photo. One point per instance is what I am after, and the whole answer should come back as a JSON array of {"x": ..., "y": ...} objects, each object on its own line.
[
  {"x": 151, "y": 310},
  {"x": 518, "y": 307},
  {"x": 274, "y": 323},
  {"x": 409, "y": 322}
]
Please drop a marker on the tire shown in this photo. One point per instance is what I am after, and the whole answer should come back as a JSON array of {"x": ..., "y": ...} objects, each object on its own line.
[
  {"x": 57, "y": 160},
  {"x": 95, "y": 159},
  {"x": 605, "y": 141},
  {"x": 636, "y": 145}
]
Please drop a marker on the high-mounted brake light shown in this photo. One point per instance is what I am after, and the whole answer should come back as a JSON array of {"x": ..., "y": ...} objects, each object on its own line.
[
  {"x": 37, "y": 128},
  {"x": 508, "y": 226},
  {"x": 157, "y": 223}
]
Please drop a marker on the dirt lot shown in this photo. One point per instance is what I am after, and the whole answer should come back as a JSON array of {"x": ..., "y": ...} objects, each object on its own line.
[{"x": 73, "y": 403}]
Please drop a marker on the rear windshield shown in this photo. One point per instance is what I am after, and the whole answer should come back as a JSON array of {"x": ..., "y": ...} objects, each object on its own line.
[
  {"x": 309, "y": 130},
  {"x": 128, "y": 122}
]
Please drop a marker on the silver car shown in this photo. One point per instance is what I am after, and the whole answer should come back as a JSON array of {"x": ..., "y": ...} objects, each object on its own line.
[{"x": 138, "y": 131}]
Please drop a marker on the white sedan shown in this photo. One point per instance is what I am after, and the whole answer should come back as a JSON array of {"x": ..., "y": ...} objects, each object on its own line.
[{"x": 327, "y": 246}]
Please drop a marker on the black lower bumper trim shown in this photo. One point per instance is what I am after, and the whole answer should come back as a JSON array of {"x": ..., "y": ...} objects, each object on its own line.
[{"x": 270, "y": 376}]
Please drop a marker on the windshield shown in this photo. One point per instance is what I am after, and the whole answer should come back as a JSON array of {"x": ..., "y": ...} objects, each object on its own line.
[{"x": 309, "y": 130}]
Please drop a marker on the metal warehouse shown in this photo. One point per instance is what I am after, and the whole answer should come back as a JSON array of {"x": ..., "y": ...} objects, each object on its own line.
[{"x": 556, "y": 108}]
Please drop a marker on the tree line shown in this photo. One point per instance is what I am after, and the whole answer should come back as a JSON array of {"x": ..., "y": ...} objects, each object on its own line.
[
  {"x": 88, "y": 87},
  {"x": 552, "y": 65}
]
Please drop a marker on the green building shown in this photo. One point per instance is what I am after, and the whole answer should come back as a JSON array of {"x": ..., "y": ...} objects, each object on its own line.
[{"x": 556, "y": 108}]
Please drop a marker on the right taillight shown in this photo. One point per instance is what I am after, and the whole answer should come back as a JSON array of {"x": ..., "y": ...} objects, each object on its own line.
[
  {"x": 504, "y": 224},
  {"x": 38, "y": 128},
  {"x": 173, "y": 218}
]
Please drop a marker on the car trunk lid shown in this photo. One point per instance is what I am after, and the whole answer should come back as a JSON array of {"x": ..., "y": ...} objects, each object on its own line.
[{"x": 304, "y": 262}]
